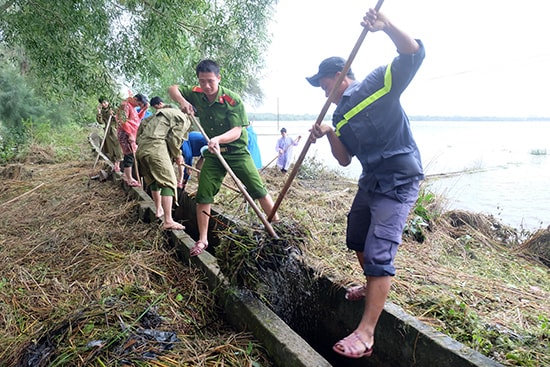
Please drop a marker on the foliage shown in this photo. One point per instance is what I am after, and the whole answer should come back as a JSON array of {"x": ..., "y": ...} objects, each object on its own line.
[
  {"x": 11, "y": 141},
  {"x": 26, "y": 118},
  {"x": 43, "y": 142},
  {"x": 421, "y": 216},
  {"x": 314, "y": 169},
  {"x": 467, "y": 327},
  {"x": 18, "y": 100},
  {"x": 80, "y": 49}
]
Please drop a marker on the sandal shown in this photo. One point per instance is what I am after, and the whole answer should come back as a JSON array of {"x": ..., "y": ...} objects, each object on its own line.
[
  {"x": 349, "y": 347},
  {"x": 173, "y": 226},
  {"x": 133, "y": 183},
  {"x": 356, "y": 293},
  {"x": 199, "y": 248}
]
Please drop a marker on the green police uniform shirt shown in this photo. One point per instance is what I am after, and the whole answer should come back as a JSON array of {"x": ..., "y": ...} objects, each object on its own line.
[
  {"x": 218, "y": 117},
  {"x": 226, "y": 112}
]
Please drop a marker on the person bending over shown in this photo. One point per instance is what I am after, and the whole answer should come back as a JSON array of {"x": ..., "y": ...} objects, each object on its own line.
[
  {"x": 128, "y": 120},
  {"x": 159, "y": 139}
]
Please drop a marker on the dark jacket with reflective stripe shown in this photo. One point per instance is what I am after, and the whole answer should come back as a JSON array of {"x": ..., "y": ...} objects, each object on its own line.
[{"x": 371, "y": 123}]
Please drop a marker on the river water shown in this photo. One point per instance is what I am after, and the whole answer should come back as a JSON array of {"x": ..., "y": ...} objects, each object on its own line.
[{"x": 493, "y": 167}]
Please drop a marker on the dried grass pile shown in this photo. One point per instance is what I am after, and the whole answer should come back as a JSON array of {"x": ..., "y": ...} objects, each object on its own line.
[
  {"x": 272, "y": 269},
  {"x": 471, "y": 280},
  {"x": 85, "y": 283},
  {"x": 539, "y": 246}
]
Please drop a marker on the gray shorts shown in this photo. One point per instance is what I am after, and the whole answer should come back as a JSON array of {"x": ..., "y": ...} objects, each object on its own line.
[{"x": 375, "y": 226}]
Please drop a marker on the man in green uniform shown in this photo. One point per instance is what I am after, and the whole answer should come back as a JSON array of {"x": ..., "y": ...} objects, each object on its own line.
[
  {"x": 111, "y": 146},
  {"x": 223, "y": 117},
  {"x": 159, "y": 139}
]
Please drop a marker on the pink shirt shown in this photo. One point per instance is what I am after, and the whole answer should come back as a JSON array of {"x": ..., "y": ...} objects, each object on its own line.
[{"x": 132, "y": 118}]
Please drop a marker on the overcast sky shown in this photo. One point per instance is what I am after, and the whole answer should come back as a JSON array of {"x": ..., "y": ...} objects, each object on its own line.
[{"x": 483, "y": 57}]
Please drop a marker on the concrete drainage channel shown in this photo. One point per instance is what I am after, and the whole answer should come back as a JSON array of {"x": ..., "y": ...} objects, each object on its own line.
[{"x": 302, "y": 333}]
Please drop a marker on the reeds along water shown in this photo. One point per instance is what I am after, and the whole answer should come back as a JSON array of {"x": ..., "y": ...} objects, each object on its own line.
[{"x": 499, "y": 167}]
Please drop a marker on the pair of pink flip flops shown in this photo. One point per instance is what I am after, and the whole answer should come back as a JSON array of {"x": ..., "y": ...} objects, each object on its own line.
[{"x": 353, "y": 346}]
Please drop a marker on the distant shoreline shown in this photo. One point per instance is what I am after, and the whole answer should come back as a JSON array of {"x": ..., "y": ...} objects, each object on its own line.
[{"x": 293, "y": 117}]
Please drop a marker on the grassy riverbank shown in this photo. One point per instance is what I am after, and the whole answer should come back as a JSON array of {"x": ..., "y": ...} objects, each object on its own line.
[
  {"x": 466, "y": 274},
  {"x": 82, "y": 278}
]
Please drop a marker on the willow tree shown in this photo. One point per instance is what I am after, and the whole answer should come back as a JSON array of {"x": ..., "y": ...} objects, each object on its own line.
[{"x": 81, "y": 48}]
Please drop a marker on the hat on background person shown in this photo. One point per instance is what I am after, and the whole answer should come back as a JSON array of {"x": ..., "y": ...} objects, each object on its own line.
[{"x": 329, "y": 67}]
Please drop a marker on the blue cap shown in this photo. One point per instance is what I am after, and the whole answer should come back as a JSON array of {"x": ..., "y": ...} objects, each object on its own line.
[{"x": 328, "y": 67}]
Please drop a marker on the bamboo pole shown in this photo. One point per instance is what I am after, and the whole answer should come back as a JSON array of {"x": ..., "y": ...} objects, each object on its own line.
[
  {"x": 103, "y": 141},
  {"x": 320, "y": 118},
  {"x": 20, "y": 196},
  {"x": 247, "y": 196}
]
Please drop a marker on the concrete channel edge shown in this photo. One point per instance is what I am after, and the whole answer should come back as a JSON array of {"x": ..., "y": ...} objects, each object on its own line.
[{"x": 284, "y": 345}]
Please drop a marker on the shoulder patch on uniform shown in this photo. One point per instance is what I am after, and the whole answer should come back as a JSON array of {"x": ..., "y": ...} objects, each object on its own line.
[
  {"x": 197, "y": 89},
  {"x": 228, "y": 99}
]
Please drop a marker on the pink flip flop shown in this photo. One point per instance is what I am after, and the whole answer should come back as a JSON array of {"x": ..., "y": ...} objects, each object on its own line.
[
  {"x": 356, "y": 293},
  {"x": 349, "y": 347},
  {"x": 174, "y": 226},
  {"x": 198, "y": 249}
]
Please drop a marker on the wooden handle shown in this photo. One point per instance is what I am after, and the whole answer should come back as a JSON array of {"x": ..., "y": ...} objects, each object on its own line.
[
  {"x": 321, "y": 116},
  {"x": 247, "y": 196}
]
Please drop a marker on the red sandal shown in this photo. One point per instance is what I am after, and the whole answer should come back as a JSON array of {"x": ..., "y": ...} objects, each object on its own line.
[
  {"x": 356, "y": 293},
  {"x": 350, "y": 347},
  {"x": 199, "y": 248}
]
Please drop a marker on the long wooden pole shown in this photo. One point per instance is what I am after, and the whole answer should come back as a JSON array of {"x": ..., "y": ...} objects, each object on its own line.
[
  {"x": 103, "y": 141},
  {"x": 136, "y": 167},
  {"x": 199, "y": 171},
  {"x": 20, "y": 196},
  {"x": 321, "y": 116},
  {"x": 247, "y": 196}
]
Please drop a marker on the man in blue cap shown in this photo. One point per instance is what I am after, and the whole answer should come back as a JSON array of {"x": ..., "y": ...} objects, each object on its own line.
[{"x": 370, "y": 124}]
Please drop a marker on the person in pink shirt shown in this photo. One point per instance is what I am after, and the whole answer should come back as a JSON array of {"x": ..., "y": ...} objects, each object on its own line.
[{"x": 128, "y": 120}]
